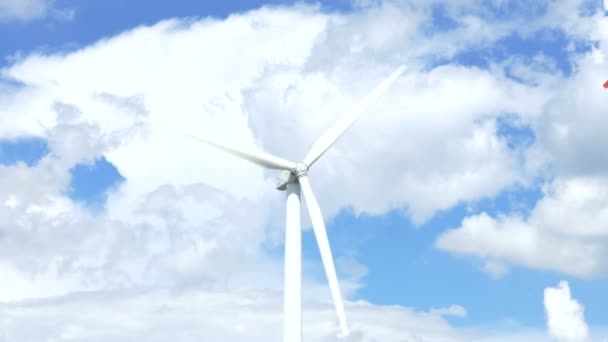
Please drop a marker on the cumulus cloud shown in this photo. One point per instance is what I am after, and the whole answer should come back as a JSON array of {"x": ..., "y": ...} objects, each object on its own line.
[
  {"x": 565, "y": 315},
  {"x": 565, "y": 232},
  {"x": 155, "y": 75},
  {"x": 478, "y": 235},
  {"x": 415, "y": 174},
  {"x": 187, "y": 216},
  {"x": 162, "y": 315},
  {"x": 567, "y": 229},
  {"x": 169, "y": 237}
]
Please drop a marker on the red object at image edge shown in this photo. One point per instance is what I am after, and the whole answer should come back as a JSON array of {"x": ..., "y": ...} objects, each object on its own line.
[{"x": 606, "y": 84}]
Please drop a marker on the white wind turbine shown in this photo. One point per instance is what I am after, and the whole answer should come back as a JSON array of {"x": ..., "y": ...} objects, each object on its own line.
[{"x": 293, "y": 179}]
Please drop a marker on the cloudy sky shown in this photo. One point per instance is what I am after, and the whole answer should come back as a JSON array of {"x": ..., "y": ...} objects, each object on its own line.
[{"x": 469, "y": 204}]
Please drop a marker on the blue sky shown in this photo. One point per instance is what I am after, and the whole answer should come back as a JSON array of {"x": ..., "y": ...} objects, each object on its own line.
[
  {"x": 106, "y": 18},
  {"x": 404, "y": 265}
]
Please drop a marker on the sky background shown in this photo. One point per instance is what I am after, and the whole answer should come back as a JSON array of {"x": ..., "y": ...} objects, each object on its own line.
[{"x": 469, "y": 203}]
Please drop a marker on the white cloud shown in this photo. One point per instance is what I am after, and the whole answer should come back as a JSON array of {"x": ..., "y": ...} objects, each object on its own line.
[
  {"x": 565, "y": 316},
  {"x": 453, "y": 310},
  {"x": 567, "y": 230},
  {"x": 173, "y": 235},
  {"x": 468, "y": 163},
  {"x": 544, "y": 240},
  {"x": 495, "y": 269},
  {"x": 352, "y": 267},
  {"x": 243, "y": 96},
  {"x": 164, "y": 315},
  {"x": 25, "y": 10},
  {"x": 573, "y": 120},
  {"x": 188, "y": 217}
]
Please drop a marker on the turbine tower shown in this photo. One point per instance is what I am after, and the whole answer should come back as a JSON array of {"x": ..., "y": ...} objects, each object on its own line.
[{"x": 294, "y": 179}]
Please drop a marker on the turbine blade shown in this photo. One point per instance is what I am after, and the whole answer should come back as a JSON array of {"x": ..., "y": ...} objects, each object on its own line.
[
  {"x": 332, "y": 134},
  {"x": 263, "y": 159},
  {"x": 328, "y": 263}
]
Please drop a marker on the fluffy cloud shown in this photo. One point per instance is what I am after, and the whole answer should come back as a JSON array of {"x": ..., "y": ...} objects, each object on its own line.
[
  {"x": 175, "y": 235},
  {"x": 161, "y": 315},
  {"x": 188, "y": 216},
  {"x": 513, "y": 240},
  {"x": 364, "y": 170},
  {"x": 178, "y": 194},
  {"x": 565, "y": 316},
  {"x": 163, "y": 225},
  {"x": 315, "y": 81},
  {"x": 567, "y": 230}
]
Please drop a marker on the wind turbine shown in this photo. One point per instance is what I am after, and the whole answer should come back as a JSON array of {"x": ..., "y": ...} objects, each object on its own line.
[{"x": 294, "y": 179}]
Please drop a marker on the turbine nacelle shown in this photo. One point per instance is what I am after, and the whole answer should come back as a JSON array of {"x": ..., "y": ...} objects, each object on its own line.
[
  {"x": 300, "y": 170},
  {"x": 286, "y": 177}
]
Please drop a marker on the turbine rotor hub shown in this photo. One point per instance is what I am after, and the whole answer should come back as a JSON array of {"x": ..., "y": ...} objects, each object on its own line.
[{"x": 300, "y": 170}]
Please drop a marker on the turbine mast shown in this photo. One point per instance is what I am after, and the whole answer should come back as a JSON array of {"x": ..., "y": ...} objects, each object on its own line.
[{"x": 292, "y": 310}]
